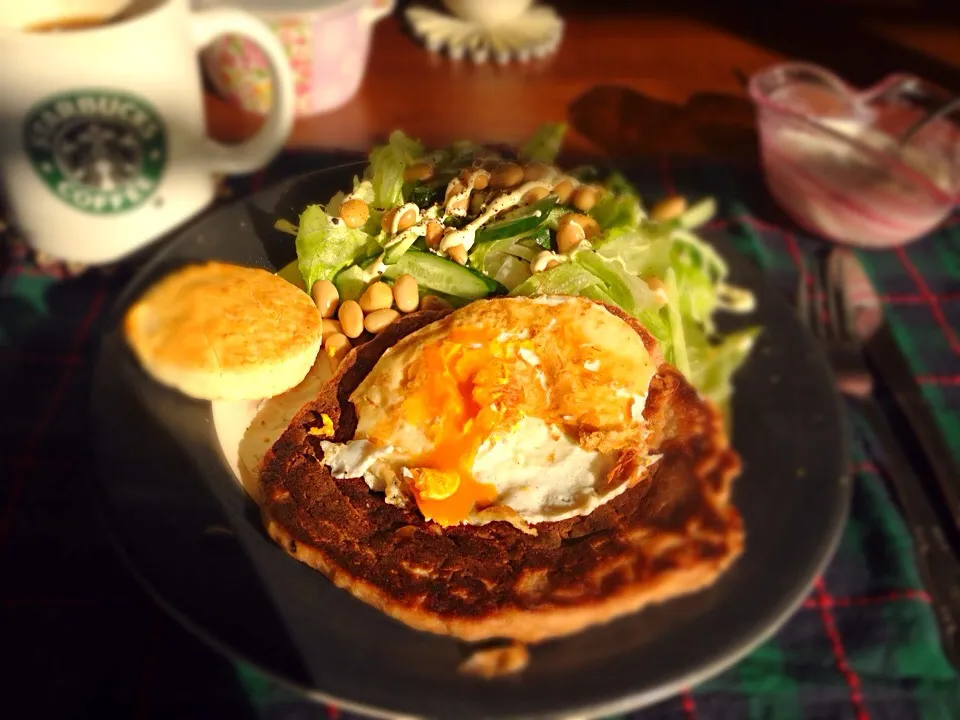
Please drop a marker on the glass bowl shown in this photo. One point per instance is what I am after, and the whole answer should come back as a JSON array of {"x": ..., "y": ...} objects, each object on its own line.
[{"x": 833, "y": 158}]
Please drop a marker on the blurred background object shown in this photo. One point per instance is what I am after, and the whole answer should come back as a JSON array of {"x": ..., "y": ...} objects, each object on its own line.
[
  {"x": 58, "y": 15},
  {"x": 873, "y": 168},
  {"x": 108, "y": 140},
  {"x": 327, "y": 43},
  {"x": 633, "y": 79},
  {"x": 482, "y": 30},
  {"x": 658, "y": 86}
]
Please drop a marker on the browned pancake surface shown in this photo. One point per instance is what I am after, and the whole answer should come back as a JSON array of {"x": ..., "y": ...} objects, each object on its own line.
[{"x": 672, "y": 533}]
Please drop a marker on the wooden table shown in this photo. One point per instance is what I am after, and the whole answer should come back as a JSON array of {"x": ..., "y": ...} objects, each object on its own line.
[{"x": 629, "y": 79}]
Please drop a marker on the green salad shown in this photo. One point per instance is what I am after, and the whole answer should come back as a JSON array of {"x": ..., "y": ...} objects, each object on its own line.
[{"x": 471, "y": 221}]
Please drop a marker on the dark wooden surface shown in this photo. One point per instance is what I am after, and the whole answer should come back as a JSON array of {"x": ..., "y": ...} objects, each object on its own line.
[{"x": 631, "y": 78}]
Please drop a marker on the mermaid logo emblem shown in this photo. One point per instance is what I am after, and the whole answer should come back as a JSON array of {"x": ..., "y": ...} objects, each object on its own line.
[{"x": 100, "y": 151}]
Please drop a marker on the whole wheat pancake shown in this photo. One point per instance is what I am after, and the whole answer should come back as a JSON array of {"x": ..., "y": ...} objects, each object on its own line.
[{"x": 672, "y": 533}]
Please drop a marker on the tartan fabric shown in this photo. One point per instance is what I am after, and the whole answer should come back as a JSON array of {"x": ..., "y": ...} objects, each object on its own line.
[{"x": 85, "y": 641}]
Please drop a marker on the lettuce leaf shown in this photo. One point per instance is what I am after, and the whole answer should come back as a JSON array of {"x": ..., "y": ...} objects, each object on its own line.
[
  {"x": 698, "y": 214},
  {"x": 614, "y": 210},
  {"x": 617, "y": 184},
  {"x": 387, "y": 163},
  {"x": 620, "y": 205},
  {"x": 511, "y": 272},
  {"x": 350, "y": 283},
  {"x": 627, "y": 291},
  {"x": 645, "y": 250},
  {"x": 566, "y": 279},
  {"x": 325, "y": 245},
  {"x": 697, "y": 290},
  {"x": 700, "y": 272},
  {"x": 713, "y": 363},
  {"x": 545, "y": 144},
  {"x": 676, "y": 353}
]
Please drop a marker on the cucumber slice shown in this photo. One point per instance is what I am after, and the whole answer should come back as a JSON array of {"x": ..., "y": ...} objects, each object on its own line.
[
  {"x": 457, "y": 302},
  {"x": 441, "y": 275},
  {"x": 542, "y": 237},
  {"x": 520, "y": 222},
  {"x": 424, "y": 195}
]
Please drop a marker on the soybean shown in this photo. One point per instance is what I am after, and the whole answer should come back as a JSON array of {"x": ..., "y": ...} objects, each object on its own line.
[
  {"x": 379, "y": 319},
  {"x": 668, "y": 208},
  {"x": 458, "y": 253},
  {"x": 326, "y": 297},
  {"x": 378, "y": 296},
  {"x": 336, "y": 347},
  {"x": 418, "y": 171},
  {"x": 434, "y": 234},
  {"x": 534, "y": 194},
  {"x": 588, "y": 224},
  {"x": 351, "y": 318},
  {"x": 354, "y": 212},
  {"x": 569, "y": 233},
  {"x": 432, "y": 302},
  {"x": 477, "y": 200},
  {"x": 506, "y": 175},
  {"x": 330, "y": 327},
  {"x": 406, "y": 293},
  {"x": 537, "y": 171},
  {"x": 563, "y": 190},
  {"x": 408, "y": 218},
  {"x": 478, "y": 178},
  {"x": 585, "y": 197}
]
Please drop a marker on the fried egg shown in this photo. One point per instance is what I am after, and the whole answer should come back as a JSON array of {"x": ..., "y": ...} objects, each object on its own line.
[{"x": 519, "y": 409}]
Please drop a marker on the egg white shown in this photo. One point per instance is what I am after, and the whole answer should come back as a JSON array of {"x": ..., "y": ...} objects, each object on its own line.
[{"x": 538, "y": 471}]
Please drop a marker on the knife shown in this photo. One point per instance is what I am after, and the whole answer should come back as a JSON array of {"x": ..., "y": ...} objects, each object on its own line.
[{"x": 889, "y": 364}]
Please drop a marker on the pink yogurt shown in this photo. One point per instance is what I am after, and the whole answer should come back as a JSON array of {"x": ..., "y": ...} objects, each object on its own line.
[{"x": 833, "y": 163}]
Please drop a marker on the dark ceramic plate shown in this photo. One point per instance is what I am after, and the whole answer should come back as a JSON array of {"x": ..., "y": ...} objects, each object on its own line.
[{"x": 195, "y": 539}]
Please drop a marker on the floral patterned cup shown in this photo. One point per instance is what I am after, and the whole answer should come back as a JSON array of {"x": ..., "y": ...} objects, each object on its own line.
[{"x": 327, "y": 44}]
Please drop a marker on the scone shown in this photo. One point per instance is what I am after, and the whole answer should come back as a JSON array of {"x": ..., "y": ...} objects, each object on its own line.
[{"x": 217, "y": 331}]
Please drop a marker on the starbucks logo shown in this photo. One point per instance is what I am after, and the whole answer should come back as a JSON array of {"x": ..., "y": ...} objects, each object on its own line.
[{"x": 100, "y": 151}]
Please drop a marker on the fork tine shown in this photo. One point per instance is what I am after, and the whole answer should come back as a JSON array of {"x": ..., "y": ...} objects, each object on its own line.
[
  {"x": 834, "y": 288},
  {"x": 847, "y": 322}
]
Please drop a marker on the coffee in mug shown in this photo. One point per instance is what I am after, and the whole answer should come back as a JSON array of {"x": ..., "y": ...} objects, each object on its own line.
[{"x": 103, "y": 146}]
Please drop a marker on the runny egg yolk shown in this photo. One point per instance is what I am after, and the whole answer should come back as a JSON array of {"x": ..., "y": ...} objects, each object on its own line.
[
  {"x": 457, "y": 410},
  {"x": 462, "y": 394}
]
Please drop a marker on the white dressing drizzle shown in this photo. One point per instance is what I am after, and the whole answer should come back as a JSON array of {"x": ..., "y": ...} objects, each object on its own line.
[{"x": 467, "y": 234}]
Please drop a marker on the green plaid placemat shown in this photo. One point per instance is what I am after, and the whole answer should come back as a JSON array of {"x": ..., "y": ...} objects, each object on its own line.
[{"x": 84, "y": 641}]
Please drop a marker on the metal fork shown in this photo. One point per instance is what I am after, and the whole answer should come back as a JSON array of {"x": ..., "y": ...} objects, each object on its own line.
[{"x": 831, "y": 322}]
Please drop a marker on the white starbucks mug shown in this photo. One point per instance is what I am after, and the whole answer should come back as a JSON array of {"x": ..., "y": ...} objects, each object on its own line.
[{"x": 103, "y": 145}]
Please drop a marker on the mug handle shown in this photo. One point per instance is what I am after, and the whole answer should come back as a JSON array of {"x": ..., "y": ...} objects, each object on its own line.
[
  {"x": 376, "y": 10},
  {"x": 264, "y": 146}
]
